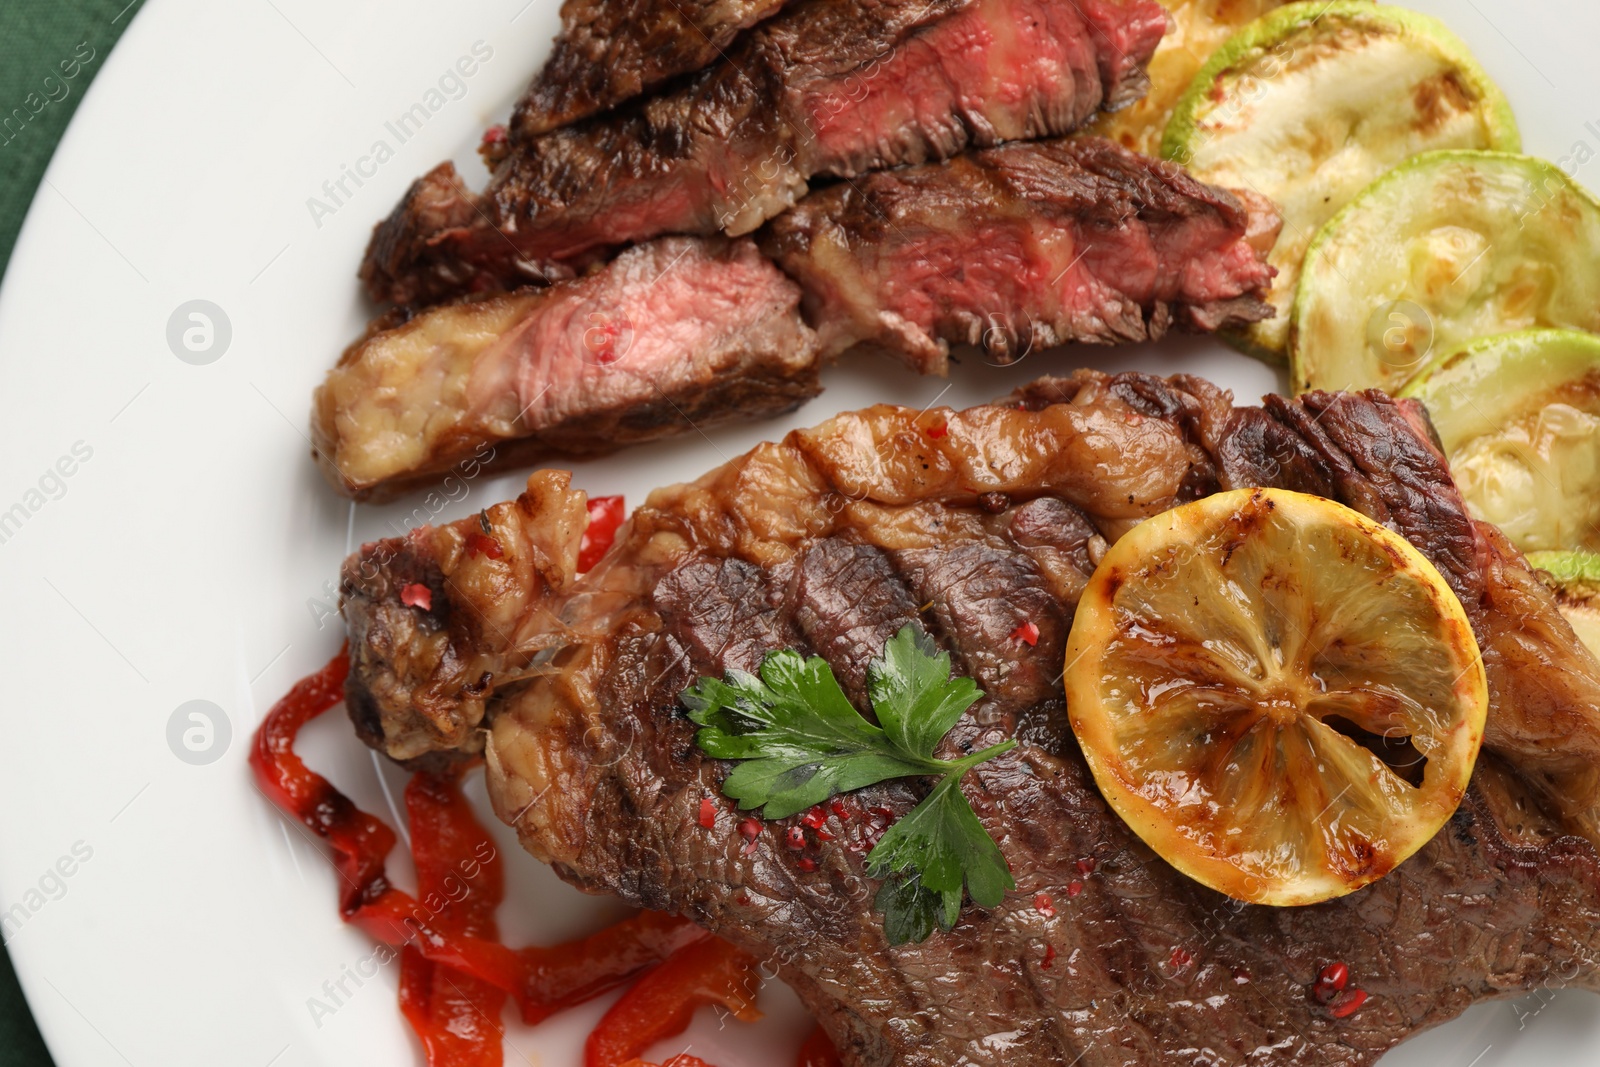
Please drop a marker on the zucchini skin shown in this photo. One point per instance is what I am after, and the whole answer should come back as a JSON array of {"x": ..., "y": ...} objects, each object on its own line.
[
  {"x": 1230, "y": 96},
  {"x": 1540, "y": 183}
]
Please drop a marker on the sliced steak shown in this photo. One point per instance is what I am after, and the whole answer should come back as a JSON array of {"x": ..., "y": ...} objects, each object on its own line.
[
  {"x": 679, "y": 333},
  {"x": 1024, "y": 246},
  {"x": 1027, "y": 245},
  {"x": 609, "y": 51},
  {"x": 837, "y": 536},
  {"x": 826, "y": 87}
]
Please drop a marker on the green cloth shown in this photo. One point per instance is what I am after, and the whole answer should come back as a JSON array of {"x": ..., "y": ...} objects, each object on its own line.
[{"x": 45, "y": 68}]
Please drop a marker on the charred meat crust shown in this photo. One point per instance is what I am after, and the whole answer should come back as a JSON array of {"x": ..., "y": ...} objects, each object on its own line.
[
  {"x": 610, "y": 51},
  {"x": 436, "y": 205},
  {"x": 823, "y": 88},
  {"x": 1025, "y": 246}
]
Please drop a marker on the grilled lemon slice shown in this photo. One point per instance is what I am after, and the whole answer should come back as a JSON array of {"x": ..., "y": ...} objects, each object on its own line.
[{"x": 1281, "y": 697}]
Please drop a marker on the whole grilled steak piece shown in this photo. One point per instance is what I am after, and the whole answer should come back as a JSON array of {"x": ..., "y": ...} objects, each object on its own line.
[
  {"x": 830, "y": 541},
  {"x": 609, "y": 51},
  {"x": 826, "y": 87},
  {"x": 1023, "y": 246},
  {"x": 678, "y": 333}
]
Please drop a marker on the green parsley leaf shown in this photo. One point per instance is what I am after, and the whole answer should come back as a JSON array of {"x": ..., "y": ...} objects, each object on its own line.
[
  {"x": 913, "y": 694},
  {"x": 799, "y": 741},
  {"x": 801, "y": 737},
  {"x": 943, "y": 841},
  {"x": 910, "y": 911}
]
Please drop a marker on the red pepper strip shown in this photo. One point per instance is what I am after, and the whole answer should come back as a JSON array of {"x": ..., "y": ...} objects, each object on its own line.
[
  {"x": 456, "y": 1016},
  {"x": 565, "y": 975},
  {"x": 818, "y": 1051},
  {"x": 605, "y": 517},
  {"x": 360, "y": 843},
  {"x": 660, "y": 1004}
]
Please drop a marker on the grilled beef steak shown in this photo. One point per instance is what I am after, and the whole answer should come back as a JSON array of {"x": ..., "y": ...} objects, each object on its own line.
[
  {"x": 826, "y": 87},
  {"x": 1023, "y": 246},
  {"x": 609, "y": 51},
  {"x": 681, "y": 332},
  {"x": 833, "y": 539},
  {"x": 1030, "y": 244}
]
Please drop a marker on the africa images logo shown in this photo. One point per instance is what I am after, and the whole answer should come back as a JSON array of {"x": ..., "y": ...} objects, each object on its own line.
[{"x": 451, "y": 85}]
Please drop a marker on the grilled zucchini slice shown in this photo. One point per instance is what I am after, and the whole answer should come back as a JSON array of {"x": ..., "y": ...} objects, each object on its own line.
[
  {"x": 1575, "y": 578},
  {"x": 1446, "y": 248},
  {"x": 1519, "y": 416},
  {"x": 1195, "y": 30},
  {"x": 1312, "y": 103}
]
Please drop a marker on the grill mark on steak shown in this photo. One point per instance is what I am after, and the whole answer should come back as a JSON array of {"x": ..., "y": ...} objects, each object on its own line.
[
  {"x": 594, "y": 764},
  {"x": 825, "y": 87},
  {"x": 610, "y": 51},
  {"x": 849, "y": 599},
  {"x": 726, "y": 614},
  {"x": 981, "y": 593},
  {"x": 682, "y": 332},
  {"x": 1024, "y": 246}
]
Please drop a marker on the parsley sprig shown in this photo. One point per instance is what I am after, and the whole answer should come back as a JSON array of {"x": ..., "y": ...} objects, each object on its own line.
[{"x": 799, "y": 741}]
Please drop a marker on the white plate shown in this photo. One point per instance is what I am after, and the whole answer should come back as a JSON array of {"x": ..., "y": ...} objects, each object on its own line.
[{"x": 190, "y": 555}]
